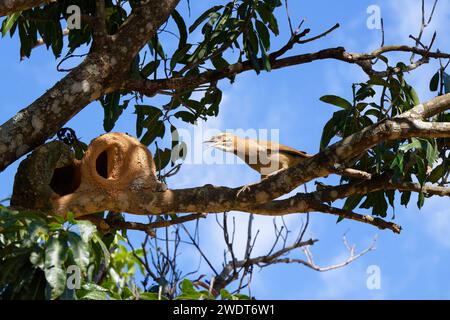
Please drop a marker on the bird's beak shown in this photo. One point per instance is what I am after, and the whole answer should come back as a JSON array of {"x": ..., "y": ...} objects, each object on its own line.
[{"x": 211, "y": 143}]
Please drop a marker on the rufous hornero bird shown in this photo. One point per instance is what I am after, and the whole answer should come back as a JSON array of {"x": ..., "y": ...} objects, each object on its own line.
[{"x": 266, "y": 157}]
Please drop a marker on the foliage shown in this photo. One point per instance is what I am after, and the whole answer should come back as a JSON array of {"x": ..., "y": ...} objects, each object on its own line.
[
  {"x": 406, "y": 160},
  {"x": 38, "y": 255},
  {"x": 36, "y": 251}
]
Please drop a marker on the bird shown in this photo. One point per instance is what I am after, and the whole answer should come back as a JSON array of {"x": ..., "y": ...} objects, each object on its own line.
[{"x": 265, "y": 156}]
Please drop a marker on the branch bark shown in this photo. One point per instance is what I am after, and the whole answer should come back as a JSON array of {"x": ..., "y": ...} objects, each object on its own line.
[{"x": 10, "y": 6}]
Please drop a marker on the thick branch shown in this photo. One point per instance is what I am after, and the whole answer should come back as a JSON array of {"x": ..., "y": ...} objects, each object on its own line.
[
  {"x": 33, "y": 125},
  {"x": 10, "y": 6},
  {"x": 142, "y": 24},
  {"x": 302, "y": 203},
  {"x": 218, "y": 199},
  {"x": 100, "y": 32}
]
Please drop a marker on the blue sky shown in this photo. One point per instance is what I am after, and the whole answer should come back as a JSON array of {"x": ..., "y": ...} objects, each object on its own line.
[{"x": 413, "y": 264}]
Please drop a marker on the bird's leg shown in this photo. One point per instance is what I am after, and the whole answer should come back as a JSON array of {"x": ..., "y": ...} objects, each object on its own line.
[
  {"x": 263, "y": 176},
  {"x": 273, "y": 173}
]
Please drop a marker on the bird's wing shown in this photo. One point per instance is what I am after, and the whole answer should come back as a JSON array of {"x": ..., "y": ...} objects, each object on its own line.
[
  {"x": 295, "y": 152},
  {"x": 288, "y": 150}
]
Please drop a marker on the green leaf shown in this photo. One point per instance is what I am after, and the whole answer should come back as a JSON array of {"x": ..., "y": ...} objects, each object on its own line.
[
  {"x": 112, "y": 109},
  {"x": 265, "y": 58},
  {"x": 434, "y": 82},
  {"x": 9, "y": 22},
  {"x": 240, "y": 296},
  {"x": 446, "y": 80},
  {"x": 55, "y": 253},
  {"x": 178, "y": 55},
  {"x": 365, "y": 91},
  {"x": 150, "y": 68},
  {"x": 199, "y": 54},
  {"x": 55, "y": 256},
  {"x": 151, "y": 111},
  {"x": 432, "y": 153},
  {"x": 147, "y": 117},
  {"x": 80, "y": 250},
  {"x": 225, "y": 295},
  {"x": 188, "y": 291},
  {"x": 412, "y": 94},
  {"x": 374, "y": 80},
  {"x": 390, "y": 194},
  {"x": 150, "y": 296},
  {"x": 437, "y": 173},
  {"x": 267, "y": 16},
  {"x": 181, "y": 28},
  {"x": 213, "y": 97},
  {"x": 339, "y": 219},
  {"x": 186, "y": 116},
  {"x": 25, "y": 42},
  {"x": 415, "y": 144},
  {"x": 56, "y": 278},
  {"x": 374, "y": 112},
  {"x": 155, "y": 45},
  {"x": 404, "y": 200},
  {"x": 105, "y": 251},
  {"x": 37, "y": 258},
  {"x": 95, "y": 295},
  {"x": 208, "y": 27},
  {"x": 156, "y": 130},
  {"x": 397, "y": 162},
  {"x": 421, "y": 169},
  {"x": 263, "y": 33},
  {"x": 162, "y": 158},
  {"x": 352, "y": 202},
  {"x": 337, "y": 101},
  {"x": 377, "y": 202},
  {"x": 420, "y": 200},
  {"x": 331, "y": 128},
  {"x": 93, "y": 287},
  {"x": 87, "y": 230},
  {"x": 219, "y": 62},
  {"x": 203, "y": 17},
  {"x": 251, "y": 47}
]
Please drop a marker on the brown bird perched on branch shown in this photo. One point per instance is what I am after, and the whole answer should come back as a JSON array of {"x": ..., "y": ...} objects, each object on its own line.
[{"x": 266, "y": 157}]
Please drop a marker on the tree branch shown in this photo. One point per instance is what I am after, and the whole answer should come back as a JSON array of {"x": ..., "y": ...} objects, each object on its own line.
[
  {"x": 257, "y": 197},
  {"x": 107, "y": 225},
  {"x": 8, "y": 7},
  {"x": 100, "y": 32},
  {"x": 152, "y": 87},
  {"x": 224, "y": 279}
]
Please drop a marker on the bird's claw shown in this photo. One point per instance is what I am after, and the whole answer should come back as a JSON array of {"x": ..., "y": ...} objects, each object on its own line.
[{"x": 243, "y": 189}]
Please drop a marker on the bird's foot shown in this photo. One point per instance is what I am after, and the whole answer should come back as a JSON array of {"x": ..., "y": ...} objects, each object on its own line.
[{"x": 243, "y": 189}]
